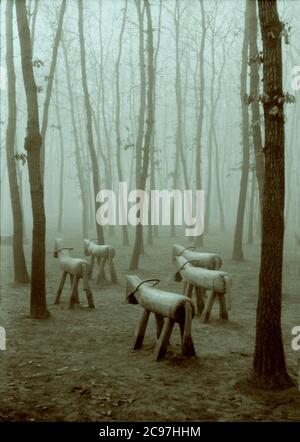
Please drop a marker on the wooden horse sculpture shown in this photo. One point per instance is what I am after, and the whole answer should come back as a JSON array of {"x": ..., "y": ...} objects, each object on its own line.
[
  {"x": 77, "y": 269},
  {"x": 218, "y": 282},
  {"x": 210, "y": 261},
  {"x": 102, "y": 253},
  {"x": 173, "y": 307}
]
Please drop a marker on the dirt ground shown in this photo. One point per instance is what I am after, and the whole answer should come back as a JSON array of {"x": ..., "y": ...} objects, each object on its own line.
[{"x": 79, "y": 365}]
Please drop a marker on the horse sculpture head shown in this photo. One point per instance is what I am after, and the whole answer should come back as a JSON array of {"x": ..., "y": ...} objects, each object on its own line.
[
  {"x": 57, "y": 247},
  {"x": 86, "y": 243}
]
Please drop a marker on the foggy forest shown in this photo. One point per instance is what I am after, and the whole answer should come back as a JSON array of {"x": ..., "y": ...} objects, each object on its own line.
[{"x": 106, "y": 315}]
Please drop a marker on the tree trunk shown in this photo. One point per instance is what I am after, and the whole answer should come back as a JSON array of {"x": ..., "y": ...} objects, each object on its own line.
[
  {"x": 61, "y": 170},
  {"x": 20, "y": 169},
  {"x": 198, "y": 162},
  {"x": 139, "y": 140},
  {"x": 251, "y": 210},
  {"x": 254, "y": 93},
  {"x": 269, "y": 370},
  {"x": 20, "y": 269},
  {"x": 94, "y": 159},
  {"x": 213, "y": 103},
  {"x": 33, "y": 24},
  {"x": 237, "y": 253},
  {"x": 50, "y": 83},
  {"x": 218, "y": 182},
  {"x": 118, "y": 106},
  {"x": 150, "y": 123},
  {"x": 33, "y": 142},
  {"x": 103, "y": 114},
  {"x": 178, "y": 92},
  {"x": 153, "y": 230}
]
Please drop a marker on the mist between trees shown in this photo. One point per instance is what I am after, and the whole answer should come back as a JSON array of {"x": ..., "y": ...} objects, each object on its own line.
[{"x": 115, "y": 83}]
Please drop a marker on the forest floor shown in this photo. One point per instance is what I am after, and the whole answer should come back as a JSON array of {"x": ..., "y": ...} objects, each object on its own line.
[{"x": 79, "y": 365}]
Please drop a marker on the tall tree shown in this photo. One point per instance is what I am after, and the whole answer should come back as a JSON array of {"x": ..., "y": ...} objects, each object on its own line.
[
  {"x": 179, "y": 153},
  {"x": 20, "y": 269},
  {"x": 269, "y": 369},
  {"x": 238, "y": 253},
  {"x": 146, "y": 140},
  {"x": 178, "y": 93},
  {"x": 254, "y": 61},
  {"x": 50, "y": 82},
  {"x": 138, "y": 243},
  {"x": 102, "y": 103},
  {"x": 33, "y": 24},
  {"x": 200, "y": 113},
  {"x": 88, "y": 111},
  {"x": 213, "y": 104},
  {"x": 61, "y": 155},
  {"x": 118, "y": 110},
  {"x": 33, "y": 143},
  {"x": 153, "y": 230},
  {"x": 251, "y": 208}
]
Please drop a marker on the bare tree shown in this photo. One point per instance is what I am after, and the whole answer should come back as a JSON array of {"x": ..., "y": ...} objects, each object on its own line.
[
  {"x": 88, "y": 110},
  {"x": 20, "y": 270},
  {"x": 117, "y": 119},
  {"x": 61, "y": 156},
  {"x": 33, "y": 24},
  {"x": 251, "y": 207},
  {"x": 50, "y": 82},
  {"x": 179, "y": 154},
  {"x": 102, "y": 115},
  {"x": 154, "y": 231},
  {"x": 200, "y": 113},
  {"x": 237, "y": 253},
  {"x": 254, "y": 93},
  {"x": 142, "y": 175},
  {"x": 33, "y": 143},
  {"x": 269, "y": 369}
]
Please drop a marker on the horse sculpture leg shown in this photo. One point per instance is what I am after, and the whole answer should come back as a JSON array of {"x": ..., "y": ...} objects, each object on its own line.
[
  {"x": 112, "y": 270},
  {"x": 163, "y": 341},
  {"x": 159, "y": 324},
  {"x": 60, "y": 287},
  {"x": 186, "y": 332},
  {"x": 208, "y": 306},
  {"x": 86, "y": 286},
  {"x": 140, "y": 332},
  {"x": 101, "y": 274},
  {"x": 89, "y": 297},
  {"x": 223, "y": 309},
  {"x": 199, "y": 300},
  {"x": 74, "y": 294},
  {"x": 92, "y": 266},
  {"x": 188, "y": 290}
]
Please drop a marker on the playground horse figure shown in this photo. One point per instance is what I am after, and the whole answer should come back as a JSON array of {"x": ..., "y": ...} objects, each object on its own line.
[
  {"x": 77, "y": 269},
  {"x": 102, "y": 253}
]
